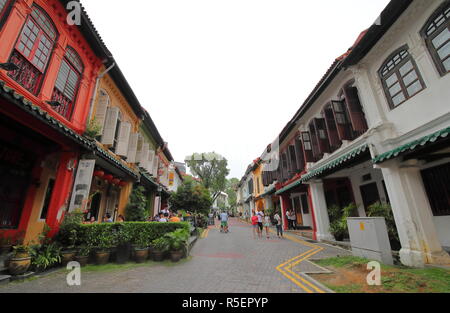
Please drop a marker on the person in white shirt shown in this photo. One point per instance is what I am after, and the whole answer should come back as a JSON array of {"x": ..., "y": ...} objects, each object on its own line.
[{"x": 260, "y": 215}]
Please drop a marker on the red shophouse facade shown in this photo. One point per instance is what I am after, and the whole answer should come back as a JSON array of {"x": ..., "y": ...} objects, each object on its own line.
[{"x": 44, "y": 105}]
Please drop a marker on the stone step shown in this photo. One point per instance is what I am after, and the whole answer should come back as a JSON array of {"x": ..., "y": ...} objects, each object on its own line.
[{"x": 4, "y": 279}]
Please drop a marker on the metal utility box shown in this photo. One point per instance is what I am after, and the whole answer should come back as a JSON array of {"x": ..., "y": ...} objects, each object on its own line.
[{"x": 369, "y": 238}]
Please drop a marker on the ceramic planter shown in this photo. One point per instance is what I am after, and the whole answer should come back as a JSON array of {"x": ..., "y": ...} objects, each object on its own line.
[
  {"x": 19, "y": 265},
  {"x": 140, "y": 255},
  {"x": 82, "y": 259},
  {"x": 158, "y": 256},
  {"x": 176, "y": 256},
  {"x": 67, "y": 256},
  {"x": 101, "y": 257},
  {"x": 123, "y": 253}
]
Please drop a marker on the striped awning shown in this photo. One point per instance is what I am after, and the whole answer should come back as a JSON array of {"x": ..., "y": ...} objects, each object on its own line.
[{"x": 413, "y": 145}]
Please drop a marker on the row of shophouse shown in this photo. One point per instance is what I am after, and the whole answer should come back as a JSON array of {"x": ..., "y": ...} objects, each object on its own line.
[
  {"x": 376, "y": 128},
  {"x": 73, "y": 135}
]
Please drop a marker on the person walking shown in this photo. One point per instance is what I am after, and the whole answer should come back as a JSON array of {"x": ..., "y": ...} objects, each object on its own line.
[
  {"x": 254, "y": 224},
  {"x": 278, "y": 225},
  {"x": 293, "y": 219},
  {"x": 260, "y": 215}
]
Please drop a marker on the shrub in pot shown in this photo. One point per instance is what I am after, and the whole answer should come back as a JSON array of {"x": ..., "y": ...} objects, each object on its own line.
[
  {"x": 45, "y": 255},
  {"x": 123, "y": 241},
  {"x": 102, "y": 239},
  {"x": 68, "y": 235},
  {"x": 20, "y": 261},
  {"x": 177, "y": 241},
  {"x": 160, "y": 247},
  {"x": 82, "y": 255}
]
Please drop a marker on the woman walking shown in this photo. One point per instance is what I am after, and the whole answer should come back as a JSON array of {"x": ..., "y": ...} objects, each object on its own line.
[{"x": 254, "y": 224}]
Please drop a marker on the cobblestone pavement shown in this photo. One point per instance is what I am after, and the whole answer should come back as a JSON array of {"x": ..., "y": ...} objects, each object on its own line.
[{"x": 220, "y": 263}]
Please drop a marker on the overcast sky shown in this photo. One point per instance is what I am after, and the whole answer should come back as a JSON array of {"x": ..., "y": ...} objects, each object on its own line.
[{"x": 227, "y": 75}]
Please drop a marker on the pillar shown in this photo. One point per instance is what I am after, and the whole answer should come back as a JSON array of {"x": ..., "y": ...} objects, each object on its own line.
[
  {"x": 285, "y": 205},
  {"x": 413, "y": 215},
  {"x": 320, "y": 209}
]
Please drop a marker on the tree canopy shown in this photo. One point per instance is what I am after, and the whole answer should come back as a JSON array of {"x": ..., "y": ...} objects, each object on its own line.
[
  {"x": 191, "y": 196},
  {"x": 230, "y": 190},
  {"x": 211, "y": 168}
]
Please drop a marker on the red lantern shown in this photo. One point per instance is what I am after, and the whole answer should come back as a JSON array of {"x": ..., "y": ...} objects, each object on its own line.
[
  {"x": 122, "y": 183},
  {"x": 108, "y": 177},
  {"x": 99, "y": 174},
  {"x": 116, "y": 181}
]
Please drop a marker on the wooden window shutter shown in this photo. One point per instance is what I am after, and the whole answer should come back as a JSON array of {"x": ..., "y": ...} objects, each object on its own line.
[
  {"x": 124, "y": 136},
  {"x": 299, "y": 155},
  {"x": 342, "y": 123},
  {"x": 314, "y": 142},
  {"x": 151, "y": 156},
  {"x": 102, "y": 107},
  {"x": 355, "y": 111},
  {"x": 155, "y": 166},
  {"x": 132, "y": 148},
  {"x": 307, "y": 147},
  {"x": 144, "y": 156},
  {"x": 109, "y": 130},
  {"x": 293, "y": 158},
  {"x": 332, "y": 131},
  {"x": 140, "y": 148},
  {"x": 322, "y": 135}
]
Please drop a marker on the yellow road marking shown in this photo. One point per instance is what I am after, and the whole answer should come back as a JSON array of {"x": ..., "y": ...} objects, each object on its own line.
[
  {"x": 284, "y": 268},
  {"x": 205, "y": 233}
]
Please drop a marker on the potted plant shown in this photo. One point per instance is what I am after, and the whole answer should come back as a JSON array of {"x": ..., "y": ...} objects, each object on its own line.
[
  {"x": 160, "y": 247},
  {"x": 177, "y": 243},
  {"x": 82, "y": 255},
  {"x": 45, "y": 256},
  {"x": 123, "y": 247},
  {"x": 69, "y": 251},
  {"x": 20, "y": 261}
]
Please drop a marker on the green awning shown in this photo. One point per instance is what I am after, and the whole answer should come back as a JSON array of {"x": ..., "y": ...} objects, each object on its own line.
[
  {"x": 335, "y": 163},
  {"x": 411, "y": 146},
  {"x": 288, "y": 187}
]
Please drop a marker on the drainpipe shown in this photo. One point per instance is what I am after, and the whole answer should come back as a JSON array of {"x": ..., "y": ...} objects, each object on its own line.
[{"x": 91, "y": 105}]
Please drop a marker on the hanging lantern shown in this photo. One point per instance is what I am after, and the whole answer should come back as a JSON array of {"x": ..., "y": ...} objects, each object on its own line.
[
  {"x": 108, "y": 178},
  {"x": 122, "y": 183},
  {"x": 99, "y": 174},
  {"x": 115, "y": 181}
]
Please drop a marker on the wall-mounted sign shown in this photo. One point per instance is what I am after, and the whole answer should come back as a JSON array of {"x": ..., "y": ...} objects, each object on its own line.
[{"x": 82, "y": 185}]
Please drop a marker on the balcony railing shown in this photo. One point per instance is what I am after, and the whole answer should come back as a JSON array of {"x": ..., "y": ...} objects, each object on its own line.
[
  {"x": 66, "y": 105},
  {"x": 27, "y": 75}
]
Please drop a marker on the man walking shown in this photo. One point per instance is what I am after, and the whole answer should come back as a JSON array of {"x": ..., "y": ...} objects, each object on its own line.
[
  {"x": 278, "y": 225},
  {"x": 224, "y": 221}
]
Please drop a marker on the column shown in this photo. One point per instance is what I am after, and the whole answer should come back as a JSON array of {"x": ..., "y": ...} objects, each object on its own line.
[
  {"x": 413, "y": 215},
  {"x": 320, "y": 208},
  {"x": 284, "y": 201}
]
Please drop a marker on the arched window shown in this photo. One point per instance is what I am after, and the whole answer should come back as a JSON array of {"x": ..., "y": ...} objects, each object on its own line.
[
  {"x": 68, "y": 82},
  {"x": 436, "y": 33},
  {"x": 33, "y": 50},
  {"x": 400, "y": 77}
]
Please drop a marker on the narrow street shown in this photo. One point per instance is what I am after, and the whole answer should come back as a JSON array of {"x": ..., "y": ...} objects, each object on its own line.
[{"x": 219, "y": 263}]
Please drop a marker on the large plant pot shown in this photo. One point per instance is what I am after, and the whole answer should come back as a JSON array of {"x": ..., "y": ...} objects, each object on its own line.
[
  {"x": 19, "y": 266},
  {"x": 123, "y": 253},
  {"x": 140, "y": 255},
  {"x": 158, "y": 256},
  {"x": 67, "y": 256},
  {"x": 102, "y": 257},
  {"x": 176, "y": 256},
  {"x": 82, "y": 259}
]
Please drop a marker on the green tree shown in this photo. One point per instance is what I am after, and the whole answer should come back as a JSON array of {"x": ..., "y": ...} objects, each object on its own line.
[
  {"x": 136, "y": 210},
  {"x": 230, "y": 190},
  {"x": 192, "y": 197},
  {"x": 211, "y": 168}
]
